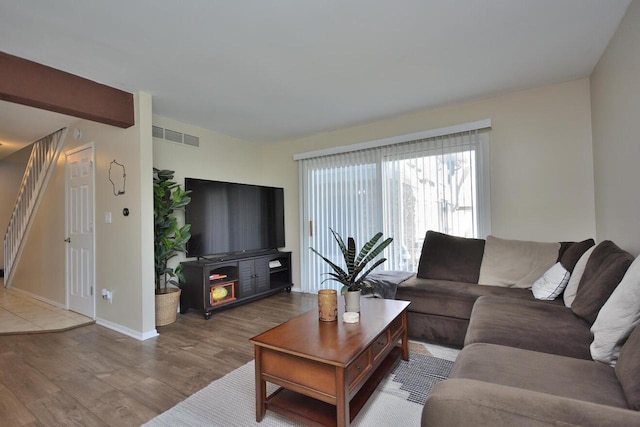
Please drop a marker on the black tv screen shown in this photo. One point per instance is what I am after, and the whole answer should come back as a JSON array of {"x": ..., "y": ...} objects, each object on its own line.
[{"x": 229, "y": 218}]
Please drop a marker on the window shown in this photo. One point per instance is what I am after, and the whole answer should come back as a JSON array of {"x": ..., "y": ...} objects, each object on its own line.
[{"x": 403, "y": 189}]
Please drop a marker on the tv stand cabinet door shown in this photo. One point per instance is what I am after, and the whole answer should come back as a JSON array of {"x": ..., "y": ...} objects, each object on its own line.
[
  {"x": 261, "y": 271},
  {"x": 253, "y": 276},
  {"x": 246, "y": 273}
]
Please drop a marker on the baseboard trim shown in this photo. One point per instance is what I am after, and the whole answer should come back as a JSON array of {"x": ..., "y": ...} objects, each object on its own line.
[{"x": 141, "y": 336}]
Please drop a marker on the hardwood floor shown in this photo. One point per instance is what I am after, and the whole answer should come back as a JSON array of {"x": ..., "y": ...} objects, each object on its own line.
[{"x": 93, "y": 376}]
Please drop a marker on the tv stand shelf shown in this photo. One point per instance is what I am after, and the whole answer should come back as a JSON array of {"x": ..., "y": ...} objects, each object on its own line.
[{"x": 222, "y": 282}]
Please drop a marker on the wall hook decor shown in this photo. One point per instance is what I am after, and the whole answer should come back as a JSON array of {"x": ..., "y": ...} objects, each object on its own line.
[{"x": 117, "y": 178}]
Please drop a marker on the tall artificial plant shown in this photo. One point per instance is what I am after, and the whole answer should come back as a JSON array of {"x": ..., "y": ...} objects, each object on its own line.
[
  {"x": 355, "y": 278},
  {"x": 169, "y": 238}
]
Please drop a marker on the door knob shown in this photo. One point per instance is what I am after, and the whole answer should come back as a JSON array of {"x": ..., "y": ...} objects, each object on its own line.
[{"x": 68, "y": 240}]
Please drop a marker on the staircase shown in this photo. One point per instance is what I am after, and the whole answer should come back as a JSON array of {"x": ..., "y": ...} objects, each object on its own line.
[{"x": 44, "y": 155}]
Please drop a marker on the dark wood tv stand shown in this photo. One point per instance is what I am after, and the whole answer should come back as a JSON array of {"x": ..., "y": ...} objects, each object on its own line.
[{"x": 235, "y": 279}]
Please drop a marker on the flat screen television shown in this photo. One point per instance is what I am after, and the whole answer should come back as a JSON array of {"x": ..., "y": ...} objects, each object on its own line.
[{"x": 228, "y": 218}]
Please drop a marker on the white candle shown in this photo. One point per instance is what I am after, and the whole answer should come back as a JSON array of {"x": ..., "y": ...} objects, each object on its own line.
[{"x": 351, "y": 317}]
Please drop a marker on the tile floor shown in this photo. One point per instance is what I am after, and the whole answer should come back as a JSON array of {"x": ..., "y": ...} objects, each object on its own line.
[{"x": 20, "y": 313}]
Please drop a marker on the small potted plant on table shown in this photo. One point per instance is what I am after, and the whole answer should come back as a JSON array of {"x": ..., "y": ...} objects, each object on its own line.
[{"x": 354, "y": 279}]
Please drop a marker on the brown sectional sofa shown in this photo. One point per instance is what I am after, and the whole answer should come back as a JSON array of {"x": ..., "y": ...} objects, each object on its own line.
[
  {"x": 445, "y": 288},
  {"x": 524, "y": 361}
]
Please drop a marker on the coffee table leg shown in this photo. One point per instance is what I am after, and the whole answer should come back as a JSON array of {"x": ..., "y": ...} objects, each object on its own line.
[
  {"x": 261, "y": 387},
  {"x": 405, "y": 337},
  {"x": 342, "y": 399}
]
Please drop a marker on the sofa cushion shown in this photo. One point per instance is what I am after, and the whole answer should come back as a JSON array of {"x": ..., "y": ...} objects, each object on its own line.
[
  {"x": 574, "y": 281},
  {"x": 462, "y": 402},
  {"x": 446, "y": 257},
  {"x": 546, "y": 373},
  {"x": 515, "y": 263},
  {"x": 604, "y": 271},
  {"x": 617, "y": 317},
  {"x": 552, "y": 283},
  {"x": 628, "y": 369},
  {"x": 570, "y": 256},
  {"x": 450, "y": 299},
  {"x": 542, "y": 326},
  {"x": 449, "y": 331}
]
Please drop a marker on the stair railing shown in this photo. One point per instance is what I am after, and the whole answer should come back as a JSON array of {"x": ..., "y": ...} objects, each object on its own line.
[{"x": 44, "y": 155}]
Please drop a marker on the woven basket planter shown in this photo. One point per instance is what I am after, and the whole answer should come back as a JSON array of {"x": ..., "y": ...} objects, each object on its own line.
[{"x": 167, "y": 306}]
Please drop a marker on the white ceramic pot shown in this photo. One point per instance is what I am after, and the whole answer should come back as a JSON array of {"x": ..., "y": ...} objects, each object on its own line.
[{"x": 352, "y": 301}]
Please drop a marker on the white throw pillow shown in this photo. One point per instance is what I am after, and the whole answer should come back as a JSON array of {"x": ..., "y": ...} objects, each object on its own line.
[
  {"x": 617, "y": 317},
  {"x": 572, "y": 287},
  {"x": 552, "y": 283}
]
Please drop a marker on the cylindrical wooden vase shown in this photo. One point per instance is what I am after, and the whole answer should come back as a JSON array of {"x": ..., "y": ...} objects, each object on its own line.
[{"x": 328, "y": 304}]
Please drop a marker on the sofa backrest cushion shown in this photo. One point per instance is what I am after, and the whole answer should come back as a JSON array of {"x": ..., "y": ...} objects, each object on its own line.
[
  {"x": 574, "y": 281},
  {"x": 628, "y": 369},
  {"x": 617, "y": 317},
  {"x": 446, "y": 257},
  {"x": 570, "y": 255},
  {"x": 604, "y": 271},
  {"x": 515, "y": 263}
]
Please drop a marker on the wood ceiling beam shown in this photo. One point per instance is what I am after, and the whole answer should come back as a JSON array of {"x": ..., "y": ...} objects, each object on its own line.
[{"x": 36, "y": 85}]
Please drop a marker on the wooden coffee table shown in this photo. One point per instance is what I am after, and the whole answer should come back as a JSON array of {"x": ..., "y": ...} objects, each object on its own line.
[{"x": 328, "y": 370}]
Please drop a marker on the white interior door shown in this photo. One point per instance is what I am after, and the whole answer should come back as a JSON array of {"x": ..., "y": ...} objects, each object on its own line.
[{"x": 80, "y": 231}]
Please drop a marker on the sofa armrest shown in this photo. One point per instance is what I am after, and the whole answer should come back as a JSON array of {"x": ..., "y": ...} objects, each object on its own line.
[{"x": 463, "y": 402}]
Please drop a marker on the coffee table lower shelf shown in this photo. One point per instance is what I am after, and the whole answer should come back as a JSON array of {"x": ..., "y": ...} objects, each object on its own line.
[{"x": 311, "y": 411}]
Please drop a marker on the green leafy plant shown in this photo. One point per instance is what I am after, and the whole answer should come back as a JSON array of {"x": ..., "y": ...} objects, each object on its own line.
[
  {"x": 354, "y": 279},
  {"x": 169, "y": 239}
]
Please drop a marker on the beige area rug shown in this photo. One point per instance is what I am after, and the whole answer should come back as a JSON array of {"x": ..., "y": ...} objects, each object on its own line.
[{"x": 230, "y": 401}]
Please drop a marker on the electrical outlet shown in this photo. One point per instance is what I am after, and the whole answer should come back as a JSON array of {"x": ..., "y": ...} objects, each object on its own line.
[{"x": 107, "y": 295}]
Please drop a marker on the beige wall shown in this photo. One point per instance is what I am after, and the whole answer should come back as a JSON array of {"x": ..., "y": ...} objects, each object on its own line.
[
  {"x": 11, "y": 172},
  {"x": 124, "y": 248},
  {"x": 541, "y": 160},
  {"x": 615, "y": 110}
]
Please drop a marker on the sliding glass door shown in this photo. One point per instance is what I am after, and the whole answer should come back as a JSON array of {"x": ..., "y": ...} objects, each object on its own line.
[{"x": 402, "y": 190}]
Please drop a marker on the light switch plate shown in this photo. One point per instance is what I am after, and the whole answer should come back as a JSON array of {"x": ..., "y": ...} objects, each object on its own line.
[{"x": 107, "y": 217}]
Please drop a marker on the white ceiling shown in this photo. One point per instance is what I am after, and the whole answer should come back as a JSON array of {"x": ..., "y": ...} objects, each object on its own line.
[{"x": 271, "y": 70}]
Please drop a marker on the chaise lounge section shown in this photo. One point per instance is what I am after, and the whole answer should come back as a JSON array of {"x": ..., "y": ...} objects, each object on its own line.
[{"x": 503, "y": 386}]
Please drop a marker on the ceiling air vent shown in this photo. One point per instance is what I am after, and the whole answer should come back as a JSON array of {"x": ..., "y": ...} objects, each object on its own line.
[{"x": 175, "y": 136}]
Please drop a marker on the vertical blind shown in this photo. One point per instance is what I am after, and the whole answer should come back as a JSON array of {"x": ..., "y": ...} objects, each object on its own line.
[{"x": 403, "y": 190}]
